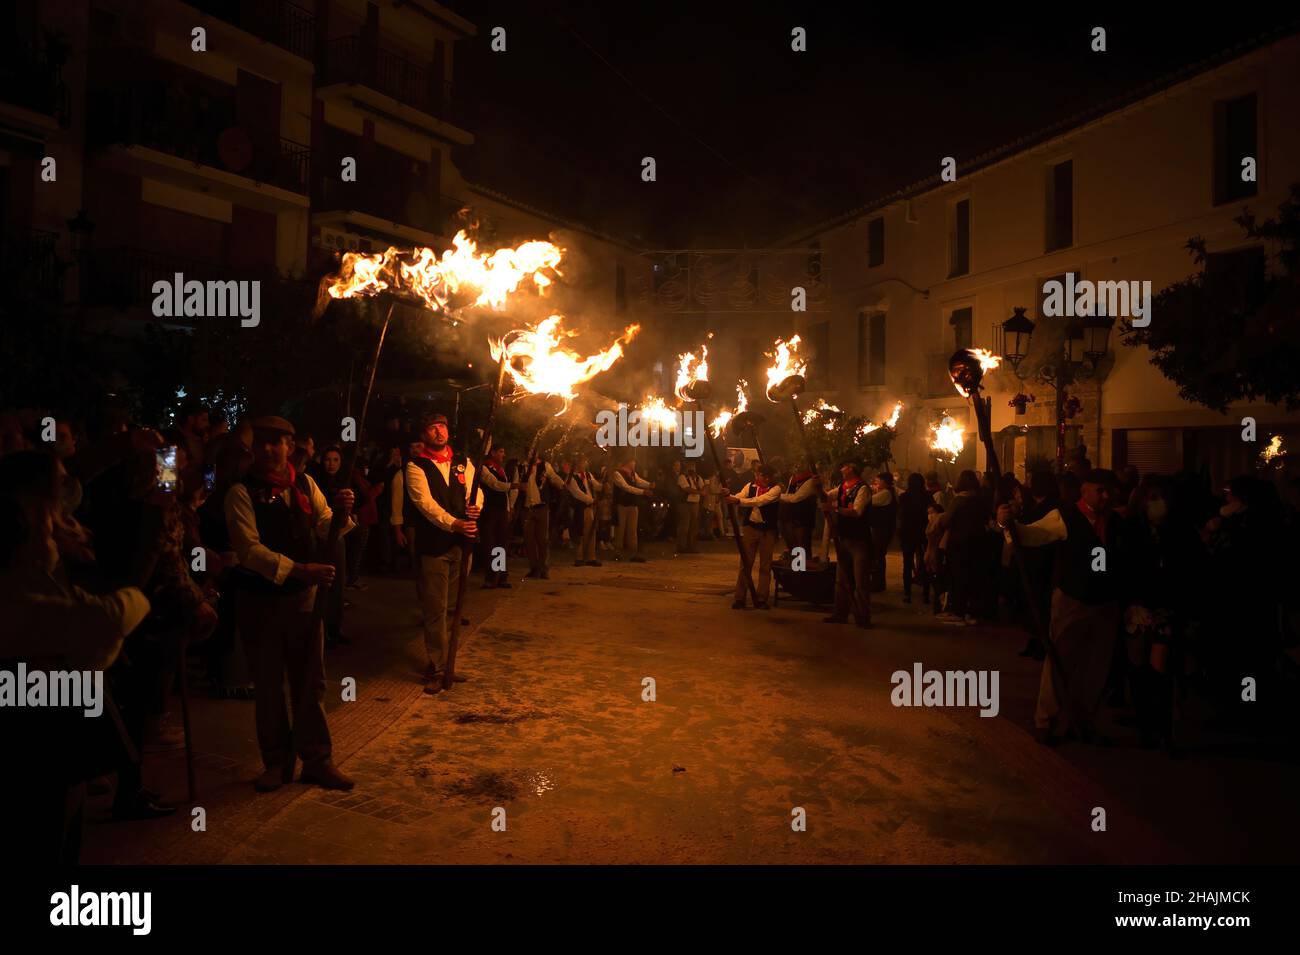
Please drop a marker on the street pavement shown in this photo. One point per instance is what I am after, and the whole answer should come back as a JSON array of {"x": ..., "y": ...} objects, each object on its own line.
[{"x": 760, "y": 720}]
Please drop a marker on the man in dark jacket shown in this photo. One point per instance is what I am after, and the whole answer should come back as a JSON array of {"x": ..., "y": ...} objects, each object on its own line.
[{"x": 1087, "y": 577}]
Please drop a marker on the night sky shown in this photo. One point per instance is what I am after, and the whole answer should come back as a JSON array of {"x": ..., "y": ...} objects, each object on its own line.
[{"x": 753, "y": 140}]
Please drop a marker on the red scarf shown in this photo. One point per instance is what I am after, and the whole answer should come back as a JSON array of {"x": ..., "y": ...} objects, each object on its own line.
[
  {"x": 496, "y": 469},
  {"x": 280, "y": 483},
  {"x": 1097, "y": 521},
  {"x": 437, "y": 457},
  {"x": 848, "y": 488}
]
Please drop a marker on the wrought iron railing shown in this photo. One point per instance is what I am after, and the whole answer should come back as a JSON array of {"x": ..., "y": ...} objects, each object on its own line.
[
  {"x": 353, "y": 59},
  {"x": 31, "y": 77},
  {"x": 29, "y": 262},
  {"x": 194, "y": 126},
  {"x": 125, "y": 277},
  {"x": 285, "y": 24}
]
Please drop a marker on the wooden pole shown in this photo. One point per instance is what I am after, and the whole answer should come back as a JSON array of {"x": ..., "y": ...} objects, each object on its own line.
[
  {"x": 731, "y": 512},
  {"x": 467, "y": 548}
]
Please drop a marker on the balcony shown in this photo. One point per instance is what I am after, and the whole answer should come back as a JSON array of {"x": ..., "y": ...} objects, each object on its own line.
[
  {"x": 32, "y": 92},
  {"x": 285, "y": 24},
  {"x": 191, "y": 139},
  {"x": 411, "y": 91},
  {"x": 29, "y": 263}
]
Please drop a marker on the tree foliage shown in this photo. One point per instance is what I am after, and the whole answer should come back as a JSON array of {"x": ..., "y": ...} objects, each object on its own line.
[{"x": 1231, "y": 331}]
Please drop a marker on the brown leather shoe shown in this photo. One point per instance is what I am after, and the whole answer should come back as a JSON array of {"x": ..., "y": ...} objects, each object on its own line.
[
  {"x": 326, "y": 775},
  {"x": 270, "y": 780},
  {"x": 433, "y": 687}
]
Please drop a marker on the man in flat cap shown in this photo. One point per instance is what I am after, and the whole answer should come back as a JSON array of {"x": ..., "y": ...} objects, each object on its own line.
[
  {"x": 846, "y": 506},
  {"x": 438, "y": 484},
  {"x": 278, "y": 519}
]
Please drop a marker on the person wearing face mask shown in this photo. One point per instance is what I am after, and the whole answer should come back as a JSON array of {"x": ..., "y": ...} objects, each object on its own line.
[{"x": 1155, "y": 622}]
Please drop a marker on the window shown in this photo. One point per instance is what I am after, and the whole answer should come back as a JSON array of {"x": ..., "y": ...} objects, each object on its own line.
[
  {"x": 1060, "y": 205},
  {"x": 876, "y": 242},
  {"x": 815, "y": 260},
  {"x": 961, "y": 321},
  {"x": 819, "y": 363},
  {"x": 871, "y": 348},
  {"x": 959, "y": 240},
  {"x": 1235, "y": 138}
]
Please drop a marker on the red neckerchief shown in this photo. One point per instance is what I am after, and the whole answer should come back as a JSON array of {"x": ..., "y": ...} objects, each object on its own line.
[
  {"x": 1098, "y": 523},
  {"x": 760, "y": 488},
  {"x": 849, "y": 487},
  {"x": 800, "y": 477},
  {"x": 437, "y": 457},
  {"x": 496, "y": 469},
  {"x": 280, "y": 483}
]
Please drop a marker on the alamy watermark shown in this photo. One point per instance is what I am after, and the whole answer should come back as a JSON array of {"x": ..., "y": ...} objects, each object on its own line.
[
  {"x": 924, "y": 687},
  {"x": 635, "y": 428},
  {"x": 75, "y": 689},
  {"x": 178, "y": 298},
  {"x": 1084, "y": 298}
]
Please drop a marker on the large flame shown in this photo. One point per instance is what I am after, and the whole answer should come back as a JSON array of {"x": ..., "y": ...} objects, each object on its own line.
[
  {"x": 947, "y": 439},
  {"x": 691, "y": 369},
  {"x": 656, "y": 409},
  {"x": 785, "y": 362},
  {"x": 890, "y": 422},
  {"x": 988, "y": 361},
  {"x": 812, "y": 414},
  {"x": 490, "y": 276},
  {"x": 718, "y": 424},
  {"x": 539, "y": 363}
]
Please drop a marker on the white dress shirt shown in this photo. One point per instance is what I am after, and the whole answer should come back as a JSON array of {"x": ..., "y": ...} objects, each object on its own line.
[
  {"x": 247, "y": 543},
  {"x": 692, "y": 485},
  {"x": 418, "y": 490},
  {"x": 805, "y": 490},
  {"x": 640, "y": 485},
  {"x": 533, "y": 493},
  {"x": 593, "y": 488},
  {"x": 397, "y": 496},
  {"x": 773, "y": 493}
]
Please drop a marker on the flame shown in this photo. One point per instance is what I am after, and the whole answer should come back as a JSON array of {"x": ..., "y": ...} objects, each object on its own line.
[
  {"x": 433, "y": 280},
  {"x": 890, "y": 422},
  {"x": 539, "y": 363},
  {"x": 947, "y": 439},
  {"x": 656, "y": 409},
  {"x": 812, "y": 414},
  {"x": 691, "y": 369},
  {"x": 988, "y": 361},
  {"x": 718, "y": 424},
  {"x": 1273, "y": 451},
  {"x": 786, "y": 362}
]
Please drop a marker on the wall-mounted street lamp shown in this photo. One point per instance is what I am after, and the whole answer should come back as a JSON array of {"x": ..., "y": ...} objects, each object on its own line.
[{"x": 1086, "y": 344}]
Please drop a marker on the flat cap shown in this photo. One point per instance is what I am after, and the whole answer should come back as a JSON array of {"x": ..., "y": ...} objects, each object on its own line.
[{"x": 273, "y": 423}]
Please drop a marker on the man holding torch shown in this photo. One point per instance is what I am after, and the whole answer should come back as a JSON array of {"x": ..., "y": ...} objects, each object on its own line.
[
  {"x": 438, "y": 484},
  {"x": 758, "y": 535},
  {"x": 277, "y": 518},
  {"x": 847, "y": 507}
]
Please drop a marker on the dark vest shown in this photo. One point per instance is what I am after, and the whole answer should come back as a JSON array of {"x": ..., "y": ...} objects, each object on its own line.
[
  {"x": 624, "y": 499},
  {"x": 493, "y": 500},
  {"x": 1073, "y": 572},
  {"x": 581, "y": 482},
  {"x": 545, "y": 489},
  {"x": 768, "y": 512},
  {"x": 282, "y": 528},
  {"x": 430, "y": 539},
  {"x": 852, "y": 528},
  {"x": 805, "y": 512}
]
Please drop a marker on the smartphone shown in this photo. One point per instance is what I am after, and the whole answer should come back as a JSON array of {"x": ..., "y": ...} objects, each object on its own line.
[
  {"x": 166, "y": 458},
  {"x": 209, "y": 479}
]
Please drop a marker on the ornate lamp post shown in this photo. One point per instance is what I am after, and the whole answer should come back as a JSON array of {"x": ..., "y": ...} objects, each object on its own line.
[{"x": 1086, "y": 343}]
